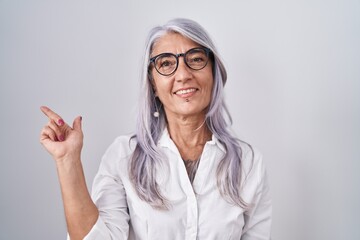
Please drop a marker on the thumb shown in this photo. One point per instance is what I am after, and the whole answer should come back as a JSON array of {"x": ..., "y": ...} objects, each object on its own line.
[{"x": 77, "y": 124}]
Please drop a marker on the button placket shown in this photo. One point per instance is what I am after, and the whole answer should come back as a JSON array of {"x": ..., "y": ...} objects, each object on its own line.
[{"x": 192, "y": 208}]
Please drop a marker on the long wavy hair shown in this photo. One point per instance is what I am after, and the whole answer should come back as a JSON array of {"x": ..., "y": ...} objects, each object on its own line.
[{"x": 148, "y": 158}]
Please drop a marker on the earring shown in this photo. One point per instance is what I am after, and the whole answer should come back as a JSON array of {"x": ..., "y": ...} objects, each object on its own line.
[{"x": 157, "y": 101}]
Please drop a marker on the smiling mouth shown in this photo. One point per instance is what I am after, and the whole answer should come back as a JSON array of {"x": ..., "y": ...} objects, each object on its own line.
[{"x": 184, "y": 92}]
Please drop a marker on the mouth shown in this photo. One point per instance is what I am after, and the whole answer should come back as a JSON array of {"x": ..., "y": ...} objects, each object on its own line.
[{"x": 186, "y": 92}]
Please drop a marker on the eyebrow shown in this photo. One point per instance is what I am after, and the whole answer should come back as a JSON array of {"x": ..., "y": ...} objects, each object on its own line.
[
  {"x": 155, "y": 55},
  {"x": 196, "y": 46}
]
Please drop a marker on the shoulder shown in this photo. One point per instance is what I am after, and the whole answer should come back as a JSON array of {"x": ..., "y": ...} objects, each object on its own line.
[
  {"x": 122, "y": 145},
  {"x": 118, "y": 153},
  {"x": 252, "y": 161},
  {"x": 254, "y": 176}
]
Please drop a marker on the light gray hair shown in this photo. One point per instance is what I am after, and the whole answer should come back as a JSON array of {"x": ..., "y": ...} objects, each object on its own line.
[{"x": 148, "y": 158}]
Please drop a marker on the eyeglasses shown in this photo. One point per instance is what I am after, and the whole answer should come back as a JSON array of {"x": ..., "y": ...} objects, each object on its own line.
[{"x": 167, "y": 63}]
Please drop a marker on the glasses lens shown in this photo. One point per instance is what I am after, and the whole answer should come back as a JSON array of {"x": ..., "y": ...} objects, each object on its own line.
[
  {"x": 165, "y": 64},
  {"x": 197, "y": 58}
]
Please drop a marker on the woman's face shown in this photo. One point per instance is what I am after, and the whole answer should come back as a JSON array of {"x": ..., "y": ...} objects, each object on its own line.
[{"x": 187, "y": 92}]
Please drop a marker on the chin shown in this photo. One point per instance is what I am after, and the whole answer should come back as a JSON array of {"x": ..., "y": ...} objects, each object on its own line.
[{"x": 193, "y": 112}]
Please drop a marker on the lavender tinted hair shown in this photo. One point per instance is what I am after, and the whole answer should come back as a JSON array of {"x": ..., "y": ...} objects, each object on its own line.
[{"x": 148, "y": 158}]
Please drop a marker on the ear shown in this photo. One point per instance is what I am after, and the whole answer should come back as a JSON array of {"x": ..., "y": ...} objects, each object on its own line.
[
  {"x": 153, "y": 86},
  {"x": 152, "y": 82}
]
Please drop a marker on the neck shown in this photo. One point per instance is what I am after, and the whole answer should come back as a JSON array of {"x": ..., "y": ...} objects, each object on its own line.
[{"x": 189, "y": 135}]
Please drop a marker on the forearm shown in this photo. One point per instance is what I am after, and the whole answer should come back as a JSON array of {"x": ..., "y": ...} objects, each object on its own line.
[{"x": 80, "y": 211}]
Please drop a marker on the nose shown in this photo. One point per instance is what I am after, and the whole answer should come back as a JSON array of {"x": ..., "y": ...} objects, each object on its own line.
[{"x": 183, "y": 72}]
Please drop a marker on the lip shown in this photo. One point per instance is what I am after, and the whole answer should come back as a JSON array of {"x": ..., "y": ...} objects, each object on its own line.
[{"x": 186, "y": 92}]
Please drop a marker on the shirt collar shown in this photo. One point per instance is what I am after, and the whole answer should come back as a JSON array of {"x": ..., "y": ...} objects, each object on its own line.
[{"x": 166, "y": 141}]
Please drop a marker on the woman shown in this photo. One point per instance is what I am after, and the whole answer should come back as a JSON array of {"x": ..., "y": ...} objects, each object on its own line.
[{"x": 182, "y": 175}]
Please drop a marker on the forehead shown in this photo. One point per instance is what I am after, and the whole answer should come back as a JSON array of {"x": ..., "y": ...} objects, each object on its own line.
[{"x": 173, "y": 43}]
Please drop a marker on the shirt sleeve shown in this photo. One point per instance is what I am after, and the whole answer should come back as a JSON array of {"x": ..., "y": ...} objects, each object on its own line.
[
  {"x": 258, "y": 218},
  {"x": 109, "y": 196}
]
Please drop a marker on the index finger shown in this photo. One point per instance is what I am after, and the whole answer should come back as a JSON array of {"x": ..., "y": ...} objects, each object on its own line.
[{"x": 52, "y": 115}]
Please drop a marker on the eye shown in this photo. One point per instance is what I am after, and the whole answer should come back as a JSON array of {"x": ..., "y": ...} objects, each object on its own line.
[
  {"x": 166, "y": 61},
  {"x": 196, "y": 58}
]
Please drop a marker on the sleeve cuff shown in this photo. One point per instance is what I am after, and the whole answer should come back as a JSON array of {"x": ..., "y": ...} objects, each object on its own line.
[{"x": 97, "y": 232}]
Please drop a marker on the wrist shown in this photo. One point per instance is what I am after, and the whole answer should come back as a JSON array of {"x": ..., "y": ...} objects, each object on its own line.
[{"x": 68, "y": 160}]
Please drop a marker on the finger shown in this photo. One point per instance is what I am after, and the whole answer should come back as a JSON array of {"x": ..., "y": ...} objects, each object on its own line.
[
  {"x": 46, "y": 134},
  {"x": 52, "y": 115},
  {"x": 77, "y": 123},
  {"x": 59, "y": 131}
]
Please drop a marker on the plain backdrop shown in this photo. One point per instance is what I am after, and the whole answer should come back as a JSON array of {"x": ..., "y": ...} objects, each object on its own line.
[{"x": 293, "y": 90}]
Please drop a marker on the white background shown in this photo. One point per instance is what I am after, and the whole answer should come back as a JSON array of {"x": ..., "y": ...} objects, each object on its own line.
[{"x": 293, "y": 90}]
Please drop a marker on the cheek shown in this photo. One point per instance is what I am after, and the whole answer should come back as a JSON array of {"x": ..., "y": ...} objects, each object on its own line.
[
  {"x": 162, "y": 89},
  {"x": 210, "y": 87}
]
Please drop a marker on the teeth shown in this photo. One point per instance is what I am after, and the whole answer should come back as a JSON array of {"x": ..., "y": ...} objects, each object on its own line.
[{"x": 186, "y": 91}]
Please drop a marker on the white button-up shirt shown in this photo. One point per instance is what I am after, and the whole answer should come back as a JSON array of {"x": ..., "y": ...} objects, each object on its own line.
[{"x": 197, "y": 211}]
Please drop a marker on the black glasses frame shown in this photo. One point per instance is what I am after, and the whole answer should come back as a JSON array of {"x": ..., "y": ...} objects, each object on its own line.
[{"x": 207, "y": 51}]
